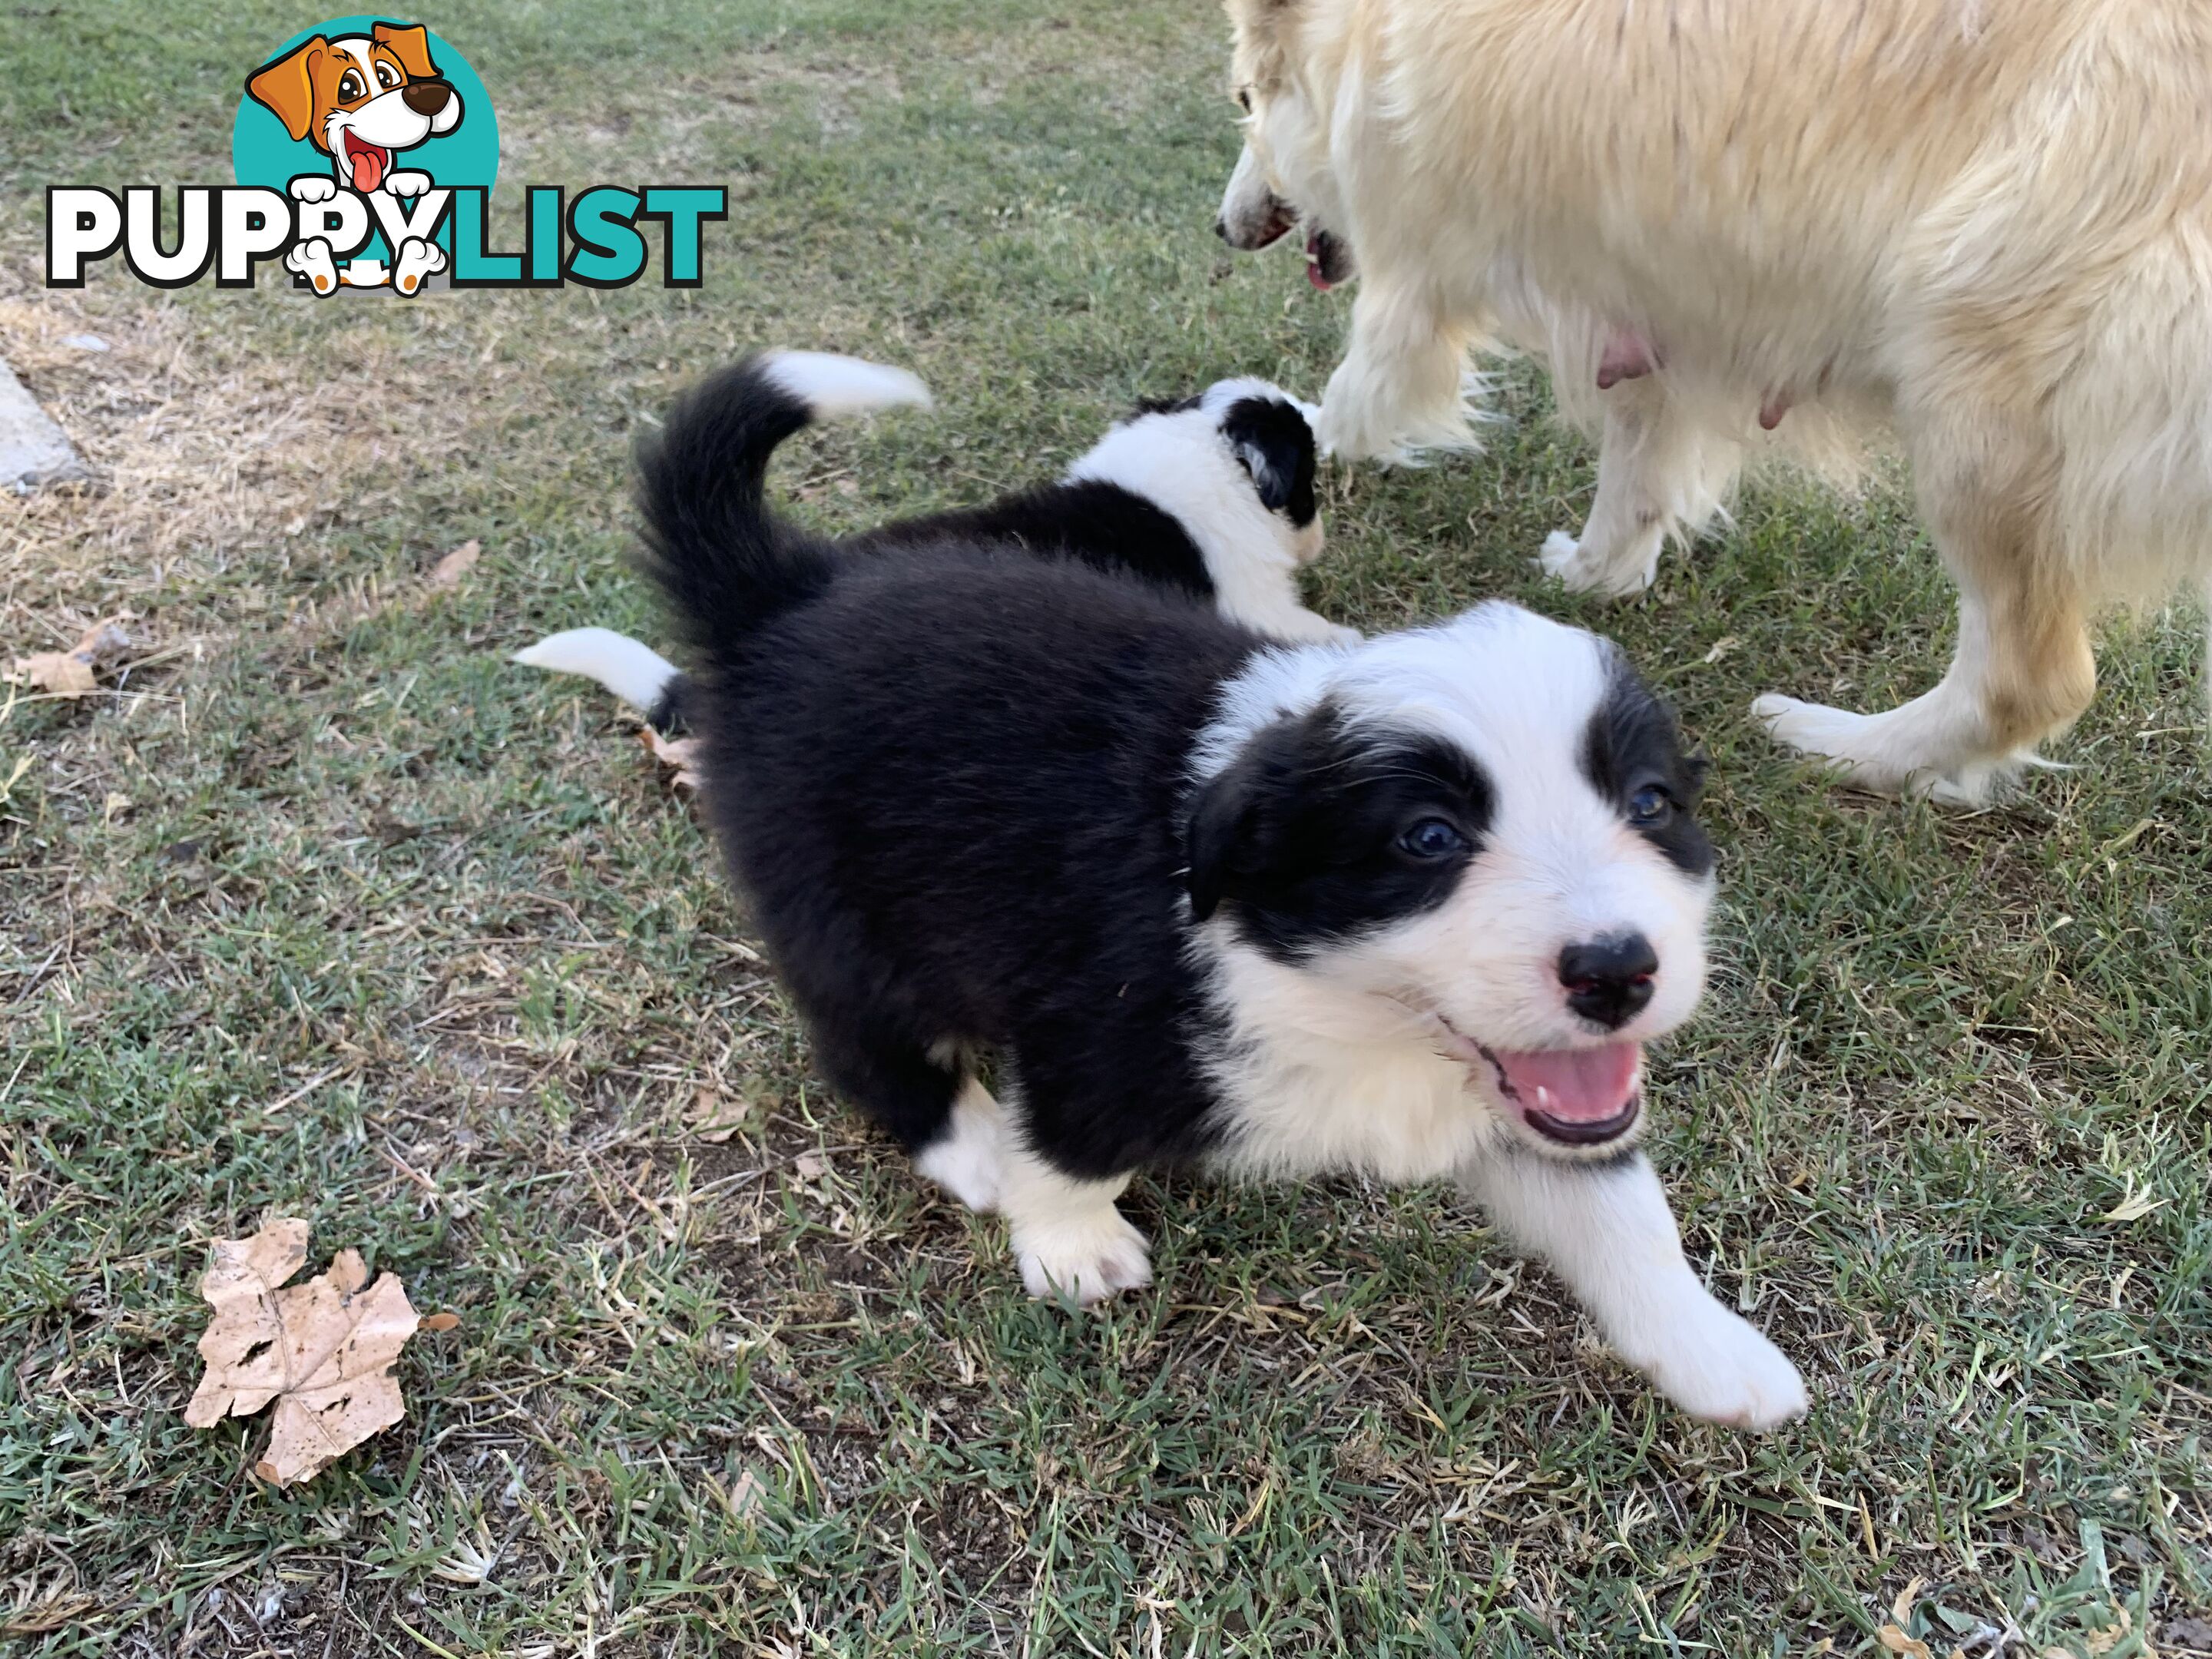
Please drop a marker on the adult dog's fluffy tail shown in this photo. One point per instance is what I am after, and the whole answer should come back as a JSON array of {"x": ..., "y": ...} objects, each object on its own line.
[{"x": 723, "y": 561}]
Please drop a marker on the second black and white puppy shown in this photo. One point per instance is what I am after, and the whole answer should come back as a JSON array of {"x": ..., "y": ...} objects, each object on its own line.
[
  {"x": 1409, "y": 907},
  {"x": 1211, "y": 498}
]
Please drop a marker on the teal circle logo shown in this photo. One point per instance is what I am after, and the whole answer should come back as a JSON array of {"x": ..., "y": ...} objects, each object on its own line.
[{"x": 385, "y": 111}]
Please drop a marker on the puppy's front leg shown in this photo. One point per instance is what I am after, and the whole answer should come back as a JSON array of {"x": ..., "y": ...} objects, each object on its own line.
[
  {"x": 1399, "y": 388},
  {"x": 1069, "y": 1238},
  {"x": 1606, "y": 1229}
]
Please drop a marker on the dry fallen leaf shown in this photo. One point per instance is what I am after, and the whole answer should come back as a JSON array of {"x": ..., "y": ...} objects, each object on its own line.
[
  {"x": 449, "y": 570},
  {"x": 744, "y": 1493},
  {"x": 680, "y": 753},
  {"x": 1897, "y": 1642},
  {"x": 323, "y": 1351},
  {"x": 714, "y": 1116},
  {"x": 810, "y": 1166},
  {"x": 74, "y": 672},
  {"x": 441, "y": 1321}
]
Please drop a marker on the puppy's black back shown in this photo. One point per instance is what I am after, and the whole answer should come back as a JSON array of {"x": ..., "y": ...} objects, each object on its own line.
[
  {"x": 1104, "y": 525},
  {"x": 953, "y": 785}
]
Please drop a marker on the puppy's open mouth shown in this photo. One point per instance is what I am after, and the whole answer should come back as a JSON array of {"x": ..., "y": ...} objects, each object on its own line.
[
  {"x": 1329, "y": 261},
  {"x": 1576, "y": 1096},
  {"x": 366, "y": 163}
]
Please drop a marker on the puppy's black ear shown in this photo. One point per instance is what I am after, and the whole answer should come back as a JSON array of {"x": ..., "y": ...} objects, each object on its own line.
[
  {"x": 1238, "y": 819},
  {"x": 1272, "y": 441}
]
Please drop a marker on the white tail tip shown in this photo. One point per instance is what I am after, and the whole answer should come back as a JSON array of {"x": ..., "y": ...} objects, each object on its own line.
[
  {"x": 832, "y": 385},
  {"x": 636, "y": 674}
]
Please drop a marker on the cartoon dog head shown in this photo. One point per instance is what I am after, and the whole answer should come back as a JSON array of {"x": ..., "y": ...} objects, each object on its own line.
[{"x": 359, "y": 98}]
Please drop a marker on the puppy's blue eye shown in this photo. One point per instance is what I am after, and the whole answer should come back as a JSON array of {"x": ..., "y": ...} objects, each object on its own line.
[
  {"x": 1433, "y": 838},
  {"x": 1649, "y": 805}
]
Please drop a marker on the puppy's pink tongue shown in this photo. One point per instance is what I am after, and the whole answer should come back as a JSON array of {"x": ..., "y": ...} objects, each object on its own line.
[
  {"x": 368, "y": 161},
  {"x": 1574, "y": 1086}
]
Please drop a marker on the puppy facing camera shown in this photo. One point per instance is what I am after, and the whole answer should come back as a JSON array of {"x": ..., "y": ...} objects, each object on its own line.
[{"x": 1274, "y": 907}]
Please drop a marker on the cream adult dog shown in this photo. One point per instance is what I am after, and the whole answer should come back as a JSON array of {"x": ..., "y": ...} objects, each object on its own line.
[{"x": 1984, "y": 224}]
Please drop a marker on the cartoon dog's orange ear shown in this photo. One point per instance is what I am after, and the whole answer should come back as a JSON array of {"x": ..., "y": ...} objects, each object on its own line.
[
  {"x": 411, "y": 45},
  {"x": 287, "y": 85}
]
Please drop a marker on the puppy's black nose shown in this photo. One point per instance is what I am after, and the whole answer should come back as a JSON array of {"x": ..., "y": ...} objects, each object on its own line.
[
  {"x": 1608, "y": 980},
  {"x": 426, "y": 97},
  {"x": 1221, "y": 226}
]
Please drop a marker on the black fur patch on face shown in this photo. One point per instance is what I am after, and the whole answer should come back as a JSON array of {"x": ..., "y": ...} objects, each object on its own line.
[
  {"x": 1633, "y": 756},
  {"x": 1319, "y": 831},
  {"x": 1273, "y": 442}
]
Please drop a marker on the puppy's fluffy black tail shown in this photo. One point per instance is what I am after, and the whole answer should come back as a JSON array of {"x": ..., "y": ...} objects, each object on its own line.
[{"x": 725, "y": 563}]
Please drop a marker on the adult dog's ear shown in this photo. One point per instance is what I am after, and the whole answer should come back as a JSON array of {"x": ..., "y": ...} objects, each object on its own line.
[
  {"x": 1238, "y": 821},
  {"x": 411, "y": 43},
  {"x": 1273, "y": 442},
  {"x": 287, "y": 87}
]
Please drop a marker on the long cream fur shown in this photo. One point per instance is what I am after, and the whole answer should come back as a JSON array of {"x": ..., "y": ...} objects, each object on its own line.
[{"x": 1985, "y": 225}]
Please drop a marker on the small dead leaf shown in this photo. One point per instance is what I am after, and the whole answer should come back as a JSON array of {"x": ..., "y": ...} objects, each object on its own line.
[
  {"x": 809, "y": 1167},
  {"x": 681, "y": 754},
  {"x": 1900, "y": 1610},
  {"x": 441, "y": 1321},
  {"x": 74, "y": 672},
  {"x": 323, "y": 1351},
  {"x": 1722, "y": 647},
  {"x": 2133, "y": 1207},
  {"x": 744, "y": 1493},
  {"x": 449, "y": 570},
  {"x": 714, "y": 1116},
  {"x": 1897, "y": 1642}
]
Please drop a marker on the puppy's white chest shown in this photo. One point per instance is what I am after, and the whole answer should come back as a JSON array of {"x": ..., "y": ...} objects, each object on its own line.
[{"x": 1377, "y": 1111}]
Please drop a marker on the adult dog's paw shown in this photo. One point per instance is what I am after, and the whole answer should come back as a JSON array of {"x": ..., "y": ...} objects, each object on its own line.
[
  {"x": 314, "y": 187},
  {"x": 1716, "y": 1366},
  {"x": 1089, "y": 1256},
  {"x": 1566, "y": 560}
]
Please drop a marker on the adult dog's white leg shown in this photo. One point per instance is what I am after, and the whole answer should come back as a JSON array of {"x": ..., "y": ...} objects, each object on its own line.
[
  {"x": 1606, "y": 1229},
  {"x": 1069, "y": 1238},
  {"x": 1400, "y": 387},
  {"x": 1659, "y": 473},
  {"x": 2023, "y": 669}
]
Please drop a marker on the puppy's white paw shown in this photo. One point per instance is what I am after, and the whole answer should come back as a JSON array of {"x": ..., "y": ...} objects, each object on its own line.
[
  {"x": 407, "y": 182},
  {"x": 1563, "y": 559},
  {"x": 1716, "y": 1366},
  {"x": 1089, "y": 1256},
  {"x": 417, "y": 259},
  {"x": 314, "y": 187},
  {"x": 966, "y": 1162},
  {"x": 313, "y": 260}
]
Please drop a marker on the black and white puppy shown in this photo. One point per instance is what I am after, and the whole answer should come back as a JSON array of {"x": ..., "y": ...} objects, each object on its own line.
[
  {"x": 1211, "y": 498},
  {"x": 1408, "y": 908}
]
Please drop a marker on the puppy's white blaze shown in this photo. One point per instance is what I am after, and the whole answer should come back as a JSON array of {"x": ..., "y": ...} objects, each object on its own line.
[
  {"x": 832, "y": 386},
  {"x": 634, "y": 671}
]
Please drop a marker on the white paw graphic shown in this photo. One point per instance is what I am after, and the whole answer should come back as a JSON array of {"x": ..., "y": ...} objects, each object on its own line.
[
  {"x": 312, "y": 260},
  {"x": 1562, "y": 558},
  {"x": 1088, "y": 1257},
  {"x": 314, "y": 187},
  {"x": 1716, "y": 1367},
  {"x": 407, "y": 182},
  {"x": 417, "y": 259}
]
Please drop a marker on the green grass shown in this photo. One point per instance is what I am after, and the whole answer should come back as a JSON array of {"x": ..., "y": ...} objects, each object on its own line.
[{"x": 330, "y": 911}]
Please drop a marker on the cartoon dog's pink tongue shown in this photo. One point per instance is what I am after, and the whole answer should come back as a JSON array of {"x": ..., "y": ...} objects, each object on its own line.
[
  {"x": 368, "y": 161},
  {"x": 1588, "y": 1093}
]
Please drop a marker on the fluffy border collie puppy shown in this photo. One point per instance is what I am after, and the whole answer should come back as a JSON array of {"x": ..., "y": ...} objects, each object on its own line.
[
  {"x": 1211, "y": 497},
  {"x": 1409, "y": 907}
]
